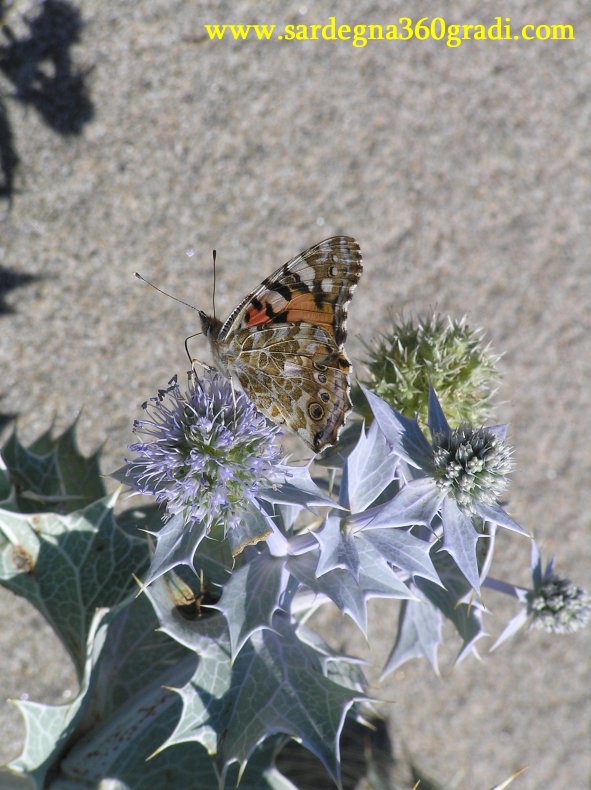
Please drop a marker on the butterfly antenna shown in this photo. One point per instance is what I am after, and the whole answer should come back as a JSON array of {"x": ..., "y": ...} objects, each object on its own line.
[
  {"x": 213, "y": 295},
  {"x": 143, "y": 279}
]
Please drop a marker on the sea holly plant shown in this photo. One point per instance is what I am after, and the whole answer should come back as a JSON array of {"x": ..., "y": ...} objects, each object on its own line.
[{"x": 187, "y": 619}]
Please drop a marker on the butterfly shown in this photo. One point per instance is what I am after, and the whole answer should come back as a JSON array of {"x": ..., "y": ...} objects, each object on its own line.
[{"x": 284, "y": 341}]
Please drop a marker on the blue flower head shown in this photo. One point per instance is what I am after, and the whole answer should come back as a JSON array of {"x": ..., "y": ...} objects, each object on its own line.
[{"x": 205, "y": 453}]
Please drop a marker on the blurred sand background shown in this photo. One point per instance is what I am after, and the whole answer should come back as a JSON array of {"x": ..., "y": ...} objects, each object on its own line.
[{"x": 465, "y": 175}]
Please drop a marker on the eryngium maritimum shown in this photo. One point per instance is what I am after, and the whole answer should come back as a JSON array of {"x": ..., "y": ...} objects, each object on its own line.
[
  {"x": 206, "y": 453},
  {"x": 559, "y": 606},
  {"x": 472, "y": 464}
]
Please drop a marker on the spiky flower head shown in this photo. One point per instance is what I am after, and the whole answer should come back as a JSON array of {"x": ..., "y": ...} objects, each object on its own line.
[
  {"x": 206, "y": 452},
  {"x": 472, "y": 464},
  {"x": 443, "y": 352},
  {"x": 558, "y": 606}
]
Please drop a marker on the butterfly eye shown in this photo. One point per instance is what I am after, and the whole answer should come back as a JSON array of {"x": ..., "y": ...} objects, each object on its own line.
[
  {"x": 315, "y": 411},
  {"x": 321, "y": 378},
  {"x": 324, "y": 395}
]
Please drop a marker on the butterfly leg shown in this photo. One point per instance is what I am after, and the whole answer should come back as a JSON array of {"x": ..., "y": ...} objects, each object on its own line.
[
  {"x": 233, "y": 397},
  {"x": 198, "y": 363}
]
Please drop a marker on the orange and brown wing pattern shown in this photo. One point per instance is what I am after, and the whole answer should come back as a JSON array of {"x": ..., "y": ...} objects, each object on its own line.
[
  {"x": 313, "y": 288},
  {"x": 296, "y": 375},
  {"x": 284, "y": 341}
]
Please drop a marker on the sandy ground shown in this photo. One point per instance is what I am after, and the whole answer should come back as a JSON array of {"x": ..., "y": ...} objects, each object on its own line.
[{"x": 465, "y": 175}]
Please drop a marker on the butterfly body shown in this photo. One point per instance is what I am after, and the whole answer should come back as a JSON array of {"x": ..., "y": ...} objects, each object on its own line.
[{"x": 284, "y": 341}]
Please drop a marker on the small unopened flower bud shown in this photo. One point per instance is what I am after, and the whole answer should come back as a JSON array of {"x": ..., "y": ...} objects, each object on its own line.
[{"x": 558, "y": 606}]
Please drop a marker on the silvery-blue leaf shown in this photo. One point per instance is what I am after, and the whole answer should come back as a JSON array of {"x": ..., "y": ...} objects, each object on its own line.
[
  {"x": 334, "y": 457},
  {"x": 298, "y": 488},
  {"x": 370, "y": 468},
  {"x": 278, "y": 685},
  {"x": 337, "y": 548},
  {"x": 497, "y": 515},
  {"x": 375, "y": 580},
  {"x": 338, "y": 585},
  {"x": 436, "y": 420},
  {"x": 466, "y": 617},
  {"x": 415, "y": 503},
  {"x": 404, "y": 550},
  {"x": 419, "y": 635},
  {"x": 459, "y": 540},
  {"x": 254, "y": 526},
  {"x": 176, "y": 544},
  {"x": 403, "y": 434},
  {"x": 513, "y": 626},
  {"x": 251, "y": 596}
]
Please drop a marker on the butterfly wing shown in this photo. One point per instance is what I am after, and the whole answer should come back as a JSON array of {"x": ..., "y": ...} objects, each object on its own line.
[
  {"x": 284, "y": 342},
  {"x": 315, "y": 288},
  {"x": 296, "y": 375}
]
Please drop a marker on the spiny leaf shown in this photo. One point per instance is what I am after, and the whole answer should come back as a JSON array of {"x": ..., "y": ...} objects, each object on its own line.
[
  {"x": 298, "y": 489},
  {"x": 278, "y": 686},
  {"x": 122, "y": 713},
  {"x": 67, "y": 566},
  {"x": 370, "y": 468},
  {"x": 416, "y": 503},
  {"x": 400, "y": 547},
  {"x": 337, "y": 548},
  {"x": 460, "y": 539},
  {"x": 350, "y": 593},
  {"x": 176, "y": 544},
  {"x": 7, "y": 492},
  {"x": 251, "y": 596},
  {"x": 203, "y": 694},
  {"x": 466, "y": 617},
  {"x": 419, "y": 635},
  {"x": 52, "y": 474},
  {"x": 402, "y": 434},
  {"x": 254, "y": 527}
]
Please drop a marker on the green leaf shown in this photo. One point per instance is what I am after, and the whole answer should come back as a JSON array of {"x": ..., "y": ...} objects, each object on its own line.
[
  {"x": 52, "y": 474},
  {"x": 7, "y": 492},
  {"x": 48, "y": 727},
  {"x": 122, "y": 714},
  {"x": 67, "y": 566}
]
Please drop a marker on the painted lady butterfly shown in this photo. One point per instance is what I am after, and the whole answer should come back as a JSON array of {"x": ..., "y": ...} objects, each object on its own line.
[{"x": 284, "y": 341}]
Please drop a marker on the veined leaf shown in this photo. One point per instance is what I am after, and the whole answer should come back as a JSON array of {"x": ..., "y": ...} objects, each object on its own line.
[
  {"x": 370, "y": 468},
  {"x": 52, "y": 474},
  {"x": 251, "y": 597},
  {"x": 122, "y": 713},
  {"x": 278, "y": 686},
  {"x": 67, "y": 566}
]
